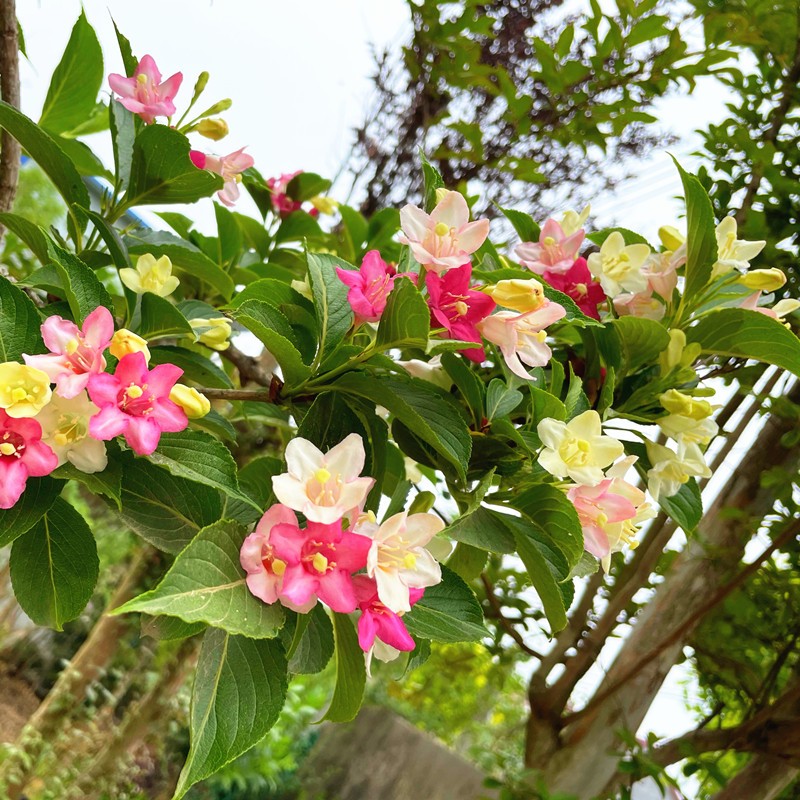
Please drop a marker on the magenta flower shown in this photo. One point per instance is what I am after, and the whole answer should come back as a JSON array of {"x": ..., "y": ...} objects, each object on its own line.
[
  {"x": 555, "y": 251},
  {"x": 134, "y": 402},
  {"x": 75, "y": 353},
  {"x": 577, "y": 282},
  {"x": 370, "y": 286},
  {"x": 281, "y": 202},
  {"x": 230, "y": 167},
  {"x": 320, "y": 560},
  {"x": 458, "y": 308},
  {"x": 144, "y": 94},
  {"x": 22, "y": 455},
  {"x": 445, "y": 238},
  {"x": 377, "y": 621}
]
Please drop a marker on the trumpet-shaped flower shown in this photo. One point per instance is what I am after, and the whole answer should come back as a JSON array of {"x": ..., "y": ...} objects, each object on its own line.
[
  {"x": 445, "y": 238},
  {"x": 214, "y": 332},
  {"x": 660, "y": 269},
  {"x": 151, "y": 275},
  {"x": 230, "y": 167},
  {"x": 75, "y": 353},
  {"x": 642, "y": 304},
  {"x": 577, "y": 448},
  {"x": 24, "y": 390},
  {"x": 323, "y": 486},
  {"x": 65, "y": 430},
  {"x": 370, "y": 286},
  {"x": 522, "y": 337},
  {"x": 22, "y": 455},
  {"x": 457, "y": 307},
  {"x": 670, "y": 470},
  {"x": 619, "y": 266},
  {"x": 518, "y": 295},
  {"x": 124, "y": 342},
  {"x": 578, "y": 284},
  {"x": 555, "y": 251},
  {"x": 398, "y": 560},
  {"x": 778, "y": 311},
  {"x": 320, "y": 561},
  {"x": 134, "y": 402},
  {"x": 733, "y": 253},
  {"x": 572, "y": 221},
  {"x": 282, "y": 204},
  {"x": 145, "y": 94}
]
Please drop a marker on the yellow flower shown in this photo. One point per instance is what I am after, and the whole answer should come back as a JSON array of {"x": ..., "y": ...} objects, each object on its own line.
[
  {"x": 24, "y": 390},
  {"x": 733, "y": 253},
  {"x": 765, "y": 280},
  {"x": 678, "y": 353},
  {"x": 125, "y": 342},
  {"x": 150, "y": 275},
  {"x": 194, "y": 404},
  {"x": 214, "y": 333},
  {"x": 619, "y": 266},
  {"x": 687, "y": 406},
  {"x": 324, "y": 204},
  {"x": 572, "y": 222},
  {"x": 519, "y": 295},
  {"x": 213, "y": 128}
]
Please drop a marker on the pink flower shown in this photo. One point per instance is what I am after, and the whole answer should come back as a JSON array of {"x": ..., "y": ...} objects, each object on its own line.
[
  {"x": 22, "y": 455},
  {"x": 555, "y": 251},
  {"x": 577, "y": 282},
  {"x": 320, "y": 560},
  {"x": 281, "y": 202},
  {"x": 134, "y": 401},
  {"x": 660, "y": 271},
  {"x": 144, "y": 94},
  {"x": 521, "y": 337},
  {"x": 377, "y": 621},
  {"x": 642, "y": 304},
  {"x": 370, "y": 286},
  {"x": 75, "y": 353},
  {"x": 599, "y": 506},
  {"x": 230, "y": 167},
  {"x": 264, "y": 569},
  {"x": 458, "y": 308},
  {"x": 445, "y": 238}
]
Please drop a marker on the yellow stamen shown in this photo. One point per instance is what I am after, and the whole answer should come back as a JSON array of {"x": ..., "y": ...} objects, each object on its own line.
[
  {"x": 549, "y": 241},
  {"x": 279, "y": 567},
  {"x": 461, "y": 308},
  {"x": 441, "y": 229},
  {"x": 141, "y": 79},
  {"x": 72, "y": 346},
  {"x": 410, "y": 561},
  {"x": 134, "y": 392},
  {"x": 322, "y": 475},
  {"x": 7, "y": 449},
  {"x": 319, "y": 562}
]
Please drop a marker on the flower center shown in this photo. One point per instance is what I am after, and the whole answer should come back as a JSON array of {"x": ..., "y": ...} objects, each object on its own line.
[
  {"x": 70, "y": 428},
  {"x": 136, "y": 400},
  {"x": 617, "y": 267},
  {"x": 575, "y": 452},
  {"x": 272, "y": 565},
  {"x": 581, "y": 289},
  {"x": 12, "y": 445},
  {"x": 319, "y": 557},
  {"x": 441, "y": 229}
]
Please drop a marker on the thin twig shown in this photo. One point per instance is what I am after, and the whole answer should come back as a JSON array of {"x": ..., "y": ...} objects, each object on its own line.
[
  {"x": 505, "y": 623},
  {"x": 9, "y": 88}
]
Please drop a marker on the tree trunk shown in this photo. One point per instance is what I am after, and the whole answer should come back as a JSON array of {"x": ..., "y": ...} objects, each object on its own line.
[{"x": 764, "y": 778}]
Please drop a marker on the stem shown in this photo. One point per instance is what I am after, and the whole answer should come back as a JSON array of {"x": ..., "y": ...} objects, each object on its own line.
[{"x": 9, "y": 88}]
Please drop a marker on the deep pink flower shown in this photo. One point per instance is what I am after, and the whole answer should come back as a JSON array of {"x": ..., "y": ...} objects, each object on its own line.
[
  {"x": 370, "y": 286},
  {"x": 578, "y": 283},
  {"x": 377, "y": 621},
  {"x": 320, "y": 560},
  {"x": 22, "y": 455},
  {"x": 230, "y": 167},
  {"x": 134, "y": 401},
  {"x": 555, "y": 251},
  {"x": 458, "y": 308},
  {"x": 144, "y": 94},
  {"x": 281, "y": 202},
  {"x": 75, "y": 353}
]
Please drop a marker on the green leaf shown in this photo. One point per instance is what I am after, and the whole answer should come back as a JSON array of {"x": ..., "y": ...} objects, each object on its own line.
[
  {"x": 501, "y": 399},
  {"x": 351, "y": 672},
  {"x": 109, "y": 234},
  {"x": 239, "y": 690},
  {"x": 196, "y": 367},
  {"x": 524, "y": 224},
  {"x": 207, "y": 584},
  {"x": 642, "y": 341},
  {"x": 469, "y": 384},
  {"x": 433, "y": 416},
  {"x": 162, "y": 172},
  {"x": 334, "y": 316},
  {"x": 307, "y": 185},
  {"x": 129, "y": 61},
  {"x": 82, "y": 287},
  {"x": 272, "y": 291},
  {"x": 198, "y": 457},
  {"x": 483, "y": 528},
  {"x": 574, "y": 314},
  {"x": 47, "y": 154},
  {"x": 29, "y": 233},
  {"x": 168, "y": 629},
  {"x": 122, "y": 125},
  {"x": 165, "y": 510},
  {"x": 742, "y": 333},
  {"x": 630, "y": 237},
  {"x": 158, "y": 318},
  {"x": 39, "y": 495},
  {"x": 311, "y": 653},
  {"x": 406, "y": 319},
  {"x": 107, "y": 483},
  {"x": 19, "y": 323},
  {"x": 432, "y": 180},
  {"x": 229, "y": 237},
  {"x": 275, "y": 332},
  {"x": 54, "y": 566},
  {"x": 701, "y": 242},
  {"x": 447, "y": 612}
]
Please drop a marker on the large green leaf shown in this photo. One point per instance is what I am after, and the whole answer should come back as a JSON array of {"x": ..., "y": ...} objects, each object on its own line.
[
  {"x": 196, "y": 367},
  {"x": 82, "y": 287},
  {"x": 122, "y": 124},
  {"x": 641, "y": 340},
  {"x": 39, "y": 495},
  {"x": 19, "y": 323},
  {"x": 29, "y": 232},
  {"x": 54, "y": 566},
  {"x": 447, "y": 612},
  {"x": 525, "y": 226},
  {"x": 351, "y": 673},
  {"x": 239, "y": 689},
  {"x": 107, "y": 483},
  {"x": 334, "y": 316},
  {"x": 406, "y": 319},
  {"x": 313, "y": 643},
  {"x": 207, "y": 584},
  {"x": 483, "y": 528},
  {"x": 742, "y": 333},
  {"x": 433, "y": 416},
  {"x": 158, "y": 318}
]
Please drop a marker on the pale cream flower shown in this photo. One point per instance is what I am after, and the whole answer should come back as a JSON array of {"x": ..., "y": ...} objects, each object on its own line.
[
  {"x": 151, "y": 275},
  {"x": 24, "y": 390}
]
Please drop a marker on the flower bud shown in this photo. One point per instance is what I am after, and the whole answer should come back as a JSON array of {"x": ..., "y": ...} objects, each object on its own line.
[
  {"x": 200, "y": 84},
  {"x": 441, "y": 194},
  {"x": 422, "y": 503},
  {"x": 518, "y": 295},
  {"x": 218, "y": 108},
  {"x": 125, "y": 342},
  {"x": 213, "y": 128},
  {"x": 324, "y": 204},
  {"x": 670, "y": 237},
  {"x": 767, "y": 280},
  {"x": 685, "y": 405},
  {"x": 194, "y": 404},
  {"x": 214, "y": 333}
]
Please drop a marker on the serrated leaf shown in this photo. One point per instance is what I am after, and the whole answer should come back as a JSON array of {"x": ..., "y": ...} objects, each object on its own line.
[
  {"x": 484, "y": 528},
  {"x": 29, "y": 233},
  {"x": 312, "y": 651},
  {"x": 19, "y": 323},
  {"x": 107, "y": 483},
  {"x": 168, "y": 629},
  {"x": 351, "y": 672},
  {"x": 405, "y": 321},
  {"x": 306, "y": 185},
  {"x": 158, "y": 318},
  {"x": 525, "y": 226},
  {"x": 334, "y": 316},
  {"x": 39, "y": 495},
  {"x": 642, "y": 340},
  {"x": 501, "y": 399},
  {"x": 82, "y": 287}
]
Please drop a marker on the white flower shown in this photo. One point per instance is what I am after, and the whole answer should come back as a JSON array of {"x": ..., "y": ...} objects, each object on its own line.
[
  {"x": 733, "y": 253},
  {"x": 671, "y": 470},
  {"x": 398, "y": 560},
  {"x": 323, "y": 486},
  {"x": 577, "y": 448},
  {"x": 619, "y": 266},
  {"x": 572, "y": 222},
  {"x": 431, "y": 371},
  {"x": 65, "y": 428}
]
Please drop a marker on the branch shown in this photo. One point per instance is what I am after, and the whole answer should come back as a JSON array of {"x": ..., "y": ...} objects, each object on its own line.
[
  {"x": 505, "y": 623},
  {"x": 258, "y": 395},
  {"x": 9, "y": 88},
  {"x": 250, "y": 369}
]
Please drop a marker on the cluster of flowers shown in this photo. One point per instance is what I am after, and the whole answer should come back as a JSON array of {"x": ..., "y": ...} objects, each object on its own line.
[{"x": 342, "y": 556}]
